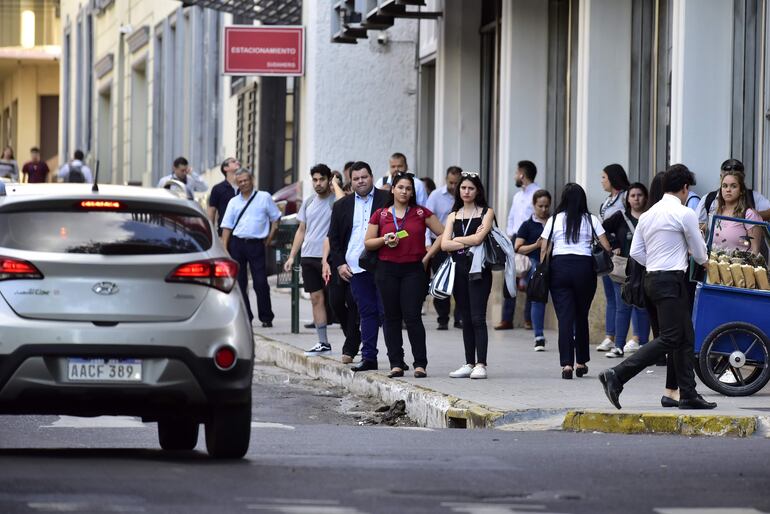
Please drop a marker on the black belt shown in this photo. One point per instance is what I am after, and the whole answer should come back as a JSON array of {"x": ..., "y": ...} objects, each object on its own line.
[
  {"x": 675, "y": 272},
  {"x": 252, "y": 240}
]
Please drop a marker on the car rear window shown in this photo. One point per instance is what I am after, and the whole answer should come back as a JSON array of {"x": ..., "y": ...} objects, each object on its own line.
[{"x": 125, "y": 232}]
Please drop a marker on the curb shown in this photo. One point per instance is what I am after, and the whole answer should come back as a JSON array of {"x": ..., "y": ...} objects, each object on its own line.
[
  {"x": 427, "y": 407},
  {"x": 664, "y": 423}
]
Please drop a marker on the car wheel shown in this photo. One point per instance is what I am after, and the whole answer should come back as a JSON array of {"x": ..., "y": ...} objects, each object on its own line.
[
  {"x": 177, "y": 434},
  {"x": 228, "y": 431}
]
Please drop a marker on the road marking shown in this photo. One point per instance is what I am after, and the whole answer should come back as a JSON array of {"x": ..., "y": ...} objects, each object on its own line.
[
  {"x": 496, "y": 508},
  {"x": 263, "y": 424},
  {"x": 81, "y": 507},
  {"x": 712, "y": 510},
  {"x": 98, "y": 422},
  {"x": 307, "y": 508}
]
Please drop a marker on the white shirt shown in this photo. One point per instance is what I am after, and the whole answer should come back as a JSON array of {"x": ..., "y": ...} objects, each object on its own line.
[
  {"x": 564, "y": 246},
  {"x": 666, "y": 235},
  {"x": 420, "y": 194},
  {"x": 255, "y": 223},
  {"x": 361, "y": 214},
  {"x": 440, "y": 203},
  {"x": 193, "y": 183},
  {"x": 521, "y": 208},
  {"x": 760, "y": 204},
  {"x": 64, "y": 171}
]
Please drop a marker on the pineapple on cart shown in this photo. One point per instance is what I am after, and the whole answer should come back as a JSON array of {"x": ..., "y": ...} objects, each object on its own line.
[{"x": 732, "y": 306}]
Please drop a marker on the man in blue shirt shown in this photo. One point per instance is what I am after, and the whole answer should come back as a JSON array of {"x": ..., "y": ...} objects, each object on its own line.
[
  {"x": 222, "y": 193},
  {"x": 249, "y": 224},
  {"x": 440, "y": 202},
  {"x": 184, "y": 173}
]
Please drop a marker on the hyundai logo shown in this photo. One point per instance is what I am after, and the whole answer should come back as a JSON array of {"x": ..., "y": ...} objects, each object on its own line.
[{"x": 105, "y": 288}]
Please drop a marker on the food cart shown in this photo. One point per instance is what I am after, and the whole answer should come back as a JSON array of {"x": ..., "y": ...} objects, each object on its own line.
[{"x": 731, "y": 315}]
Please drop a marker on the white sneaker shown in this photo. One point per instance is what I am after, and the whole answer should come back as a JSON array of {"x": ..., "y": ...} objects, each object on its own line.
[
  {"x": 631, "y": 346},
  {"x": 605, "y": 345},
  {"x": 463, "y": 371},
  {"x": 540, "y": 344},
  {"x": 615, "y": 353},
  {"x": 480, "y": 371}
]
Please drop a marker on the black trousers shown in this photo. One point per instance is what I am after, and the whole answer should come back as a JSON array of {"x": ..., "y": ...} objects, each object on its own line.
[
  {"x": 346, "y": 311},
  {"x": 443, "y": 307},
  {"x": 572, "y": 285},
  {"x": 403, "y": 288},
  {"x": 666, "y": 294},
  {"x": 251, "y": 252},
  {"x": 471, "y": 297},
  {"x": 671, "y": 382}
]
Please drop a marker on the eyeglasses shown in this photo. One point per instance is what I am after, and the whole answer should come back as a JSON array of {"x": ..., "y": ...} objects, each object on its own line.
[{"x": 466, "y": 174}]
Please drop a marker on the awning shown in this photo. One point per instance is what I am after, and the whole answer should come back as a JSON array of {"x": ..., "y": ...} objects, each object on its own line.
[{"x": 269, "y": 12}]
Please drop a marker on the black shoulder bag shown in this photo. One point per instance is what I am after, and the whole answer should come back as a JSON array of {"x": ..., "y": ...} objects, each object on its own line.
[
  {"x": 538, "y": 285},
  {"x": 602, "y": 258}
]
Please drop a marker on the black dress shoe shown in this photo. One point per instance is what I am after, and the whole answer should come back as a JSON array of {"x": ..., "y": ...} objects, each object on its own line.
[
  {"x": 396, "y": 373},
  {"x": 665, "y": 401},
  {"x": 443, "y": 326},
  {"x": 566, "y": 374},
  {"x": 365, "y": 366},
  {"x": 458, "y": 324},
  {"x": 612, "y": 386},
  {"x": 267, "y": 324},
  {"x": 581, "y": 370},
  {"x": 696, "y": 403}
]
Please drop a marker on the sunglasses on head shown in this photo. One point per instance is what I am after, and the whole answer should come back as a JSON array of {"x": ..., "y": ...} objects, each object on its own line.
[
  {"x": 733, "y": 167},
  {"x": 466, "y": 174}
]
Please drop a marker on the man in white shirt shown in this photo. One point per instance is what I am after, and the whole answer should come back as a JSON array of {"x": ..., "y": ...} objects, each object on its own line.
[
  {"x": 75, "y": 170},
  {"x": 521, "y": 210},
  {"x": 664, "y": 238},
  {"x": 440, "y": 202},
  {"x": 397, "y": 164},
  {"x": 184, "y": 174}
]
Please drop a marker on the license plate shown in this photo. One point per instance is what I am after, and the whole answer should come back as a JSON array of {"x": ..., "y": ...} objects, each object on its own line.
[{"x": 104, "y": 370}]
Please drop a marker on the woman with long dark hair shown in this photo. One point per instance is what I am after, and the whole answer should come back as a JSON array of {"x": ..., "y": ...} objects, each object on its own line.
[
  {"x": 621, "y": 227},
  {"x": 9, "y": 168},
  {"x": 615, "y": 183},
  {"x": 397, "y": 232},
  {"x": 467, "y": 225},
  {"x": 572, "y": 230}
]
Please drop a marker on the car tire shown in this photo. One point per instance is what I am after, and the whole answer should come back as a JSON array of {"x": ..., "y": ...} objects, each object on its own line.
[
  {"x": 228, "y": 431},
  {"x": 178, "y": 434}
]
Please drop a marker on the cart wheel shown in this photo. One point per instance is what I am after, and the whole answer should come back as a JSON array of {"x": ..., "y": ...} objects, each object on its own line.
[{"x": 734, "y": 359}]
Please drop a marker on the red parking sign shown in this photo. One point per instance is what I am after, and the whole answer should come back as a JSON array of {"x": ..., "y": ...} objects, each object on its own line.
[{"x": 264, "y": 50}]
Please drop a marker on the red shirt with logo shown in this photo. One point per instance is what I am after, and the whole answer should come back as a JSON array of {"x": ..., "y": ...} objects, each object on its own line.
[{"x": 410, "y": 248}]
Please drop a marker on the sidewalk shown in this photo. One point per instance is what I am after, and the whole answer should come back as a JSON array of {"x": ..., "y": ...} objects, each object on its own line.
[{"x": 524, "y": 390}]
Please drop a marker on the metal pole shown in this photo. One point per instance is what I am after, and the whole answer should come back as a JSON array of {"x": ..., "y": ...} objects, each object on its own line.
[{"x": 295, "y": 298}]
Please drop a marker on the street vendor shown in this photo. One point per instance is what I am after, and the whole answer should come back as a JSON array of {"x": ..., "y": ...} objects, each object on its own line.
[{"x": 732, "y": 202}]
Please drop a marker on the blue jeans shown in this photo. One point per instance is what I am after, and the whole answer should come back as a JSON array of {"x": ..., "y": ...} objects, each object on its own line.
[
  {"x": 537, "y": 309},
  {"x": 610, "y": 314},
  {"x": 370, "y": 311},
  {"x": 509, "y": 307},
  {"x": 624, "y": 315}
]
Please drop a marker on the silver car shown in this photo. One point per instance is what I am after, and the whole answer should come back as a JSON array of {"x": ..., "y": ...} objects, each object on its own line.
[{"x": 122, "y": 301}]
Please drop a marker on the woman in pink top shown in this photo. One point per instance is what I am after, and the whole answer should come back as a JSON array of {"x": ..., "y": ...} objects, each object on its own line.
[{"x": 731, "y": 201}]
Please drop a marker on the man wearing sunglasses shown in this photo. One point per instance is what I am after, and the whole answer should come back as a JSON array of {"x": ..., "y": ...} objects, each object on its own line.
[{"x": 756, "y": 200}]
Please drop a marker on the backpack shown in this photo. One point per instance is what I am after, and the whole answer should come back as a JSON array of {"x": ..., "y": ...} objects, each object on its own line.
[
  {"x": 713, "y": 195},
  {"x": 76, "y": 174}
]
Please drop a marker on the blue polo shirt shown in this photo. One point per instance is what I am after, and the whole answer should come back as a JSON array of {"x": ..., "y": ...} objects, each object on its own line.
[{"x": 255, "y": 223}]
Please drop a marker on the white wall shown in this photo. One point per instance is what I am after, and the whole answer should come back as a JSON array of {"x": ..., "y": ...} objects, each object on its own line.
[
  {"x": 358, "y": 102},
  {"x": 523, "y": 93},
  {"x": 603, "y": 92},
  {"x": 701, "y": 86},
  {"x": 458, "y": 87}
]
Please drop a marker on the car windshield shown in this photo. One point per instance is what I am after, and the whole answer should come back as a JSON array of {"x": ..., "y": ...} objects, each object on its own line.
[{"x": 134, "y": 232}]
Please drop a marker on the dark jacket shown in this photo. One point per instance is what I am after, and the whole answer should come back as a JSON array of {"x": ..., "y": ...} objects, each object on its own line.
[
  {"x": 618, "y": 232},
  {"x": 342, "y": 224}
]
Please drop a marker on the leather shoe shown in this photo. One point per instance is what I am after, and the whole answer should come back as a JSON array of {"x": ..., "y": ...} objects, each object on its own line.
[
  {"x": 267, "y": 324},
  {"x": 581, "y": 370},
  {"x": 365, "y": 366},
  {"x": 696, "y": 403},
  {"x": 396, "y": 373},
  {"x": 504, "y": 325},
  {"x": 612, "y": 386},
  {"x": 443, "y": 326},
  {"x": 458, "y": 324},
  {"x": 665, "y": 401}
]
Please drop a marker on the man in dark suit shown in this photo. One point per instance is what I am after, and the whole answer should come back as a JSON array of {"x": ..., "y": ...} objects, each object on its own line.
[{"x": 350, "y": 219}]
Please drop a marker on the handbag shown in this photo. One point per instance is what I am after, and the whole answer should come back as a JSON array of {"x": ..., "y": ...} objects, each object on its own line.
[
  {"x": 443, "y": 281},
  {"x": 539, "y": 282},
  {"x": 632, "y": 290},
  {"x": 602, "y": 258},
  {"x": 618, "y": 273},
  {"x": 369, "y": 258},
  {"x": 494, "y": 255},
  {"x": 523, "y": 264}
]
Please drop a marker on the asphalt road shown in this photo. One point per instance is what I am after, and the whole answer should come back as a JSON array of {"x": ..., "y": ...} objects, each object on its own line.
[{"x": 313, "y": 452}]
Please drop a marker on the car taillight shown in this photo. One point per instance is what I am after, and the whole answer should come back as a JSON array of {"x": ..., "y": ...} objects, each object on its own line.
[
  {"x": 217, "y": 273},
  {"x": 11, "y": 269}
]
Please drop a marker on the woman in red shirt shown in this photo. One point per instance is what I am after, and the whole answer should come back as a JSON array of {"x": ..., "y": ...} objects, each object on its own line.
[{"x": 397, "y": 230}]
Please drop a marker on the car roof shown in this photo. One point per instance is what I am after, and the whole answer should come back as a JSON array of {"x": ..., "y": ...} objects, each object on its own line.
[{"x": 68, "y": 191}]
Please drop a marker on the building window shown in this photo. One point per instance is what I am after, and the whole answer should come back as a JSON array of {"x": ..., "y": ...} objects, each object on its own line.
[{"x": 490, "y": 97}]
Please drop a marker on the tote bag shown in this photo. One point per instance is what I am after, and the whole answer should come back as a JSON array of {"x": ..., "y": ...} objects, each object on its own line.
[
  {"x": 538, "y": 285},
  {"x": 443, "y": 281}
]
